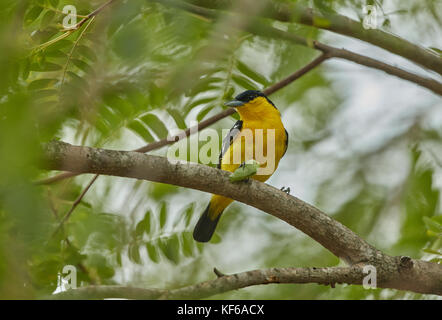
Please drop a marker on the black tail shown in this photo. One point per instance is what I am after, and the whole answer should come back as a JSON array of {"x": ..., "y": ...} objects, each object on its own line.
[{"x": 205, "y": 227}]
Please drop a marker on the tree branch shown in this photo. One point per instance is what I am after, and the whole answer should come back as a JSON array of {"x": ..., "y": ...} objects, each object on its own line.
[
  {"x": 71, "y": 30},
  {"x": 93, "y": 14},
  {"x": 224, "y": 283},
  {"x": 260, "y": 28},
  {"x": 393, "y": 272},
  {"x": 298, "y": 13}
]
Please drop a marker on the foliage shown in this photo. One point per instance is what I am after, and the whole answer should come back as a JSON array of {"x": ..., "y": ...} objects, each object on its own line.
[{"x": 140, "y": 70}]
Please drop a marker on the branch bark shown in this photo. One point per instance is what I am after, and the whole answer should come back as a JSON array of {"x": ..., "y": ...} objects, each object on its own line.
[
  {"x": 393, "y": 272},
  {"x": 298, "y": 13},
  {"x": 224, "y": 283}
]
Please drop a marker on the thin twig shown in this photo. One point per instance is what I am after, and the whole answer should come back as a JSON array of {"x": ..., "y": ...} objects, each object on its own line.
[
  {"x": 218, "y": 273},
  {"x": 297, "y": 74},
  {"x": 73, "y": 49},
  {"x": 93, "y": 14},
  {"x": 75, "y": 204},
  {"x": 69, "y": 31},
  {"x": 79, "y": 264},
  {"x": 58, "y": 177}
]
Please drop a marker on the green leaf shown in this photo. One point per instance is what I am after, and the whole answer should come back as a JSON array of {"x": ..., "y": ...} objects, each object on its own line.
[
  {"x": 431, "y": 251},
  {"x": 77, "y": 80},
  {"x": 216, "y": 238},
  {"x": 170, "y": 247},
  {"x": 40, "y": 94},
  {"x": 55, "y": 54},
  {"x": 244, "y": 69},
  {"x": 87, "y": 52},
  {"x": 41, "y": 84},
  {"x": 109, "y": 114},
  {"x": 244, "y": 82},
  {"x": 154, "y": 123},
  {"x": 82, "y": 65},
  {"x": 139, "y": 128},
  {"x": 26, "y": 68},
  {"x": 163, "y": 215},
  {"x": 432, "y": 224},
  {"x": 148, "y": 221},
  {"x": 204, "y": 112},
  {"x": 140, "y": 228},
  {"x": 204, "y": 84},
  {"x": 47, "y": 19},
  {"x": 118, "y": 104},
  {"x": 54, "y": 3},
  {"x": 152, "y": 252},
  {"x": 45, "y": 67},
  {"x": 196, "y": 103},
  {"x": 134, "y": 253},
  {"x": 188, "y": 244},
  {"x": 118, "y": 258},
  {"x": 60, "y": 44},
  {"x": 178, "y": 118},
  {"x": 188, "y": 214},
  {"x": 32, "y": 14}
]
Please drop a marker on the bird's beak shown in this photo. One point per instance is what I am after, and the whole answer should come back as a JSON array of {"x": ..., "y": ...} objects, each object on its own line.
[{"x": 234, "y": 103}]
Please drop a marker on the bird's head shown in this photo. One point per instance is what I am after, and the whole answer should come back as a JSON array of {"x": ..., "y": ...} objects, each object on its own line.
[{"x": 249, "y": 98}]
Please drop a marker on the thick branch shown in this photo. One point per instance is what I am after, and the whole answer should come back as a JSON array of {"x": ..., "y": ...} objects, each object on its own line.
[
  {"x": 260, "y": 28},
  {"x": 295, "y": 12},
  {"x": 414, "y": 275}
]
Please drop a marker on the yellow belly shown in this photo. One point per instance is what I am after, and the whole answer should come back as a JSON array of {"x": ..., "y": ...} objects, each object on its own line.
[
  {"x": 245, "y": 147},
  {"x": 236, "y": 154}
]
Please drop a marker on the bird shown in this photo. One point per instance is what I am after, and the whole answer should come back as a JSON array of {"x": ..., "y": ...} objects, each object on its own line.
[{"x": 256, "y": 111}]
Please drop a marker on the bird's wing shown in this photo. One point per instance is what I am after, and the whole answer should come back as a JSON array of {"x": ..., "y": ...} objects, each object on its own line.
[
  {"x": 233, "y": 133},
  {"x": 286, "y": 142}
]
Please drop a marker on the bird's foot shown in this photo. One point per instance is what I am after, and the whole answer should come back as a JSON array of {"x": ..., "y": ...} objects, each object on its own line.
[
  {"x": 286, "y": 190},
  {"x": 242, "y": 165}
]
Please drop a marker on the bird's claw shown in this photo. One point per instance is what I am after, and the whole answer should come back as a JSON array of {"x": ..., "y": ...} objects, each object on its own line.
[
  {"x": 286, "y": 190},
  {"x": 242, "y": 165}
]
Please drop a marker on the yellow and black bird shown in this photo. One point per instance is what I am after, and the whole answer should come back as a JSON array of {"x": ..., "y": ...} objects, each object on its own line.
[{"x": 256, "y": 112}]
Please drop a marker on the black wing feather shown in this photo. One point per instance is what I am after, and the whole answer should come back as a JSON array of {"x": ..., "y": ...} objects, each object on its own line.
[
  {"x": 286, "y": 142},
  {"x": 227, "y": 141}
]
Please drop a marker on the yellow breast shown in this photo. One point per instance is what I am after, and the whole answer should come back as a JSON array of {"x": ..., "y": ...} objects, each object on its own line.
[{"x": 262, "y": 138}]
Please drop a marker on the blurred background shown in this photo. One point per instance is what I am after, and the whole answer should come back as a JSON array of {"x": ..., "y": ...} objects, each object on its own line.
[{"x": 365, "y": 147}]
